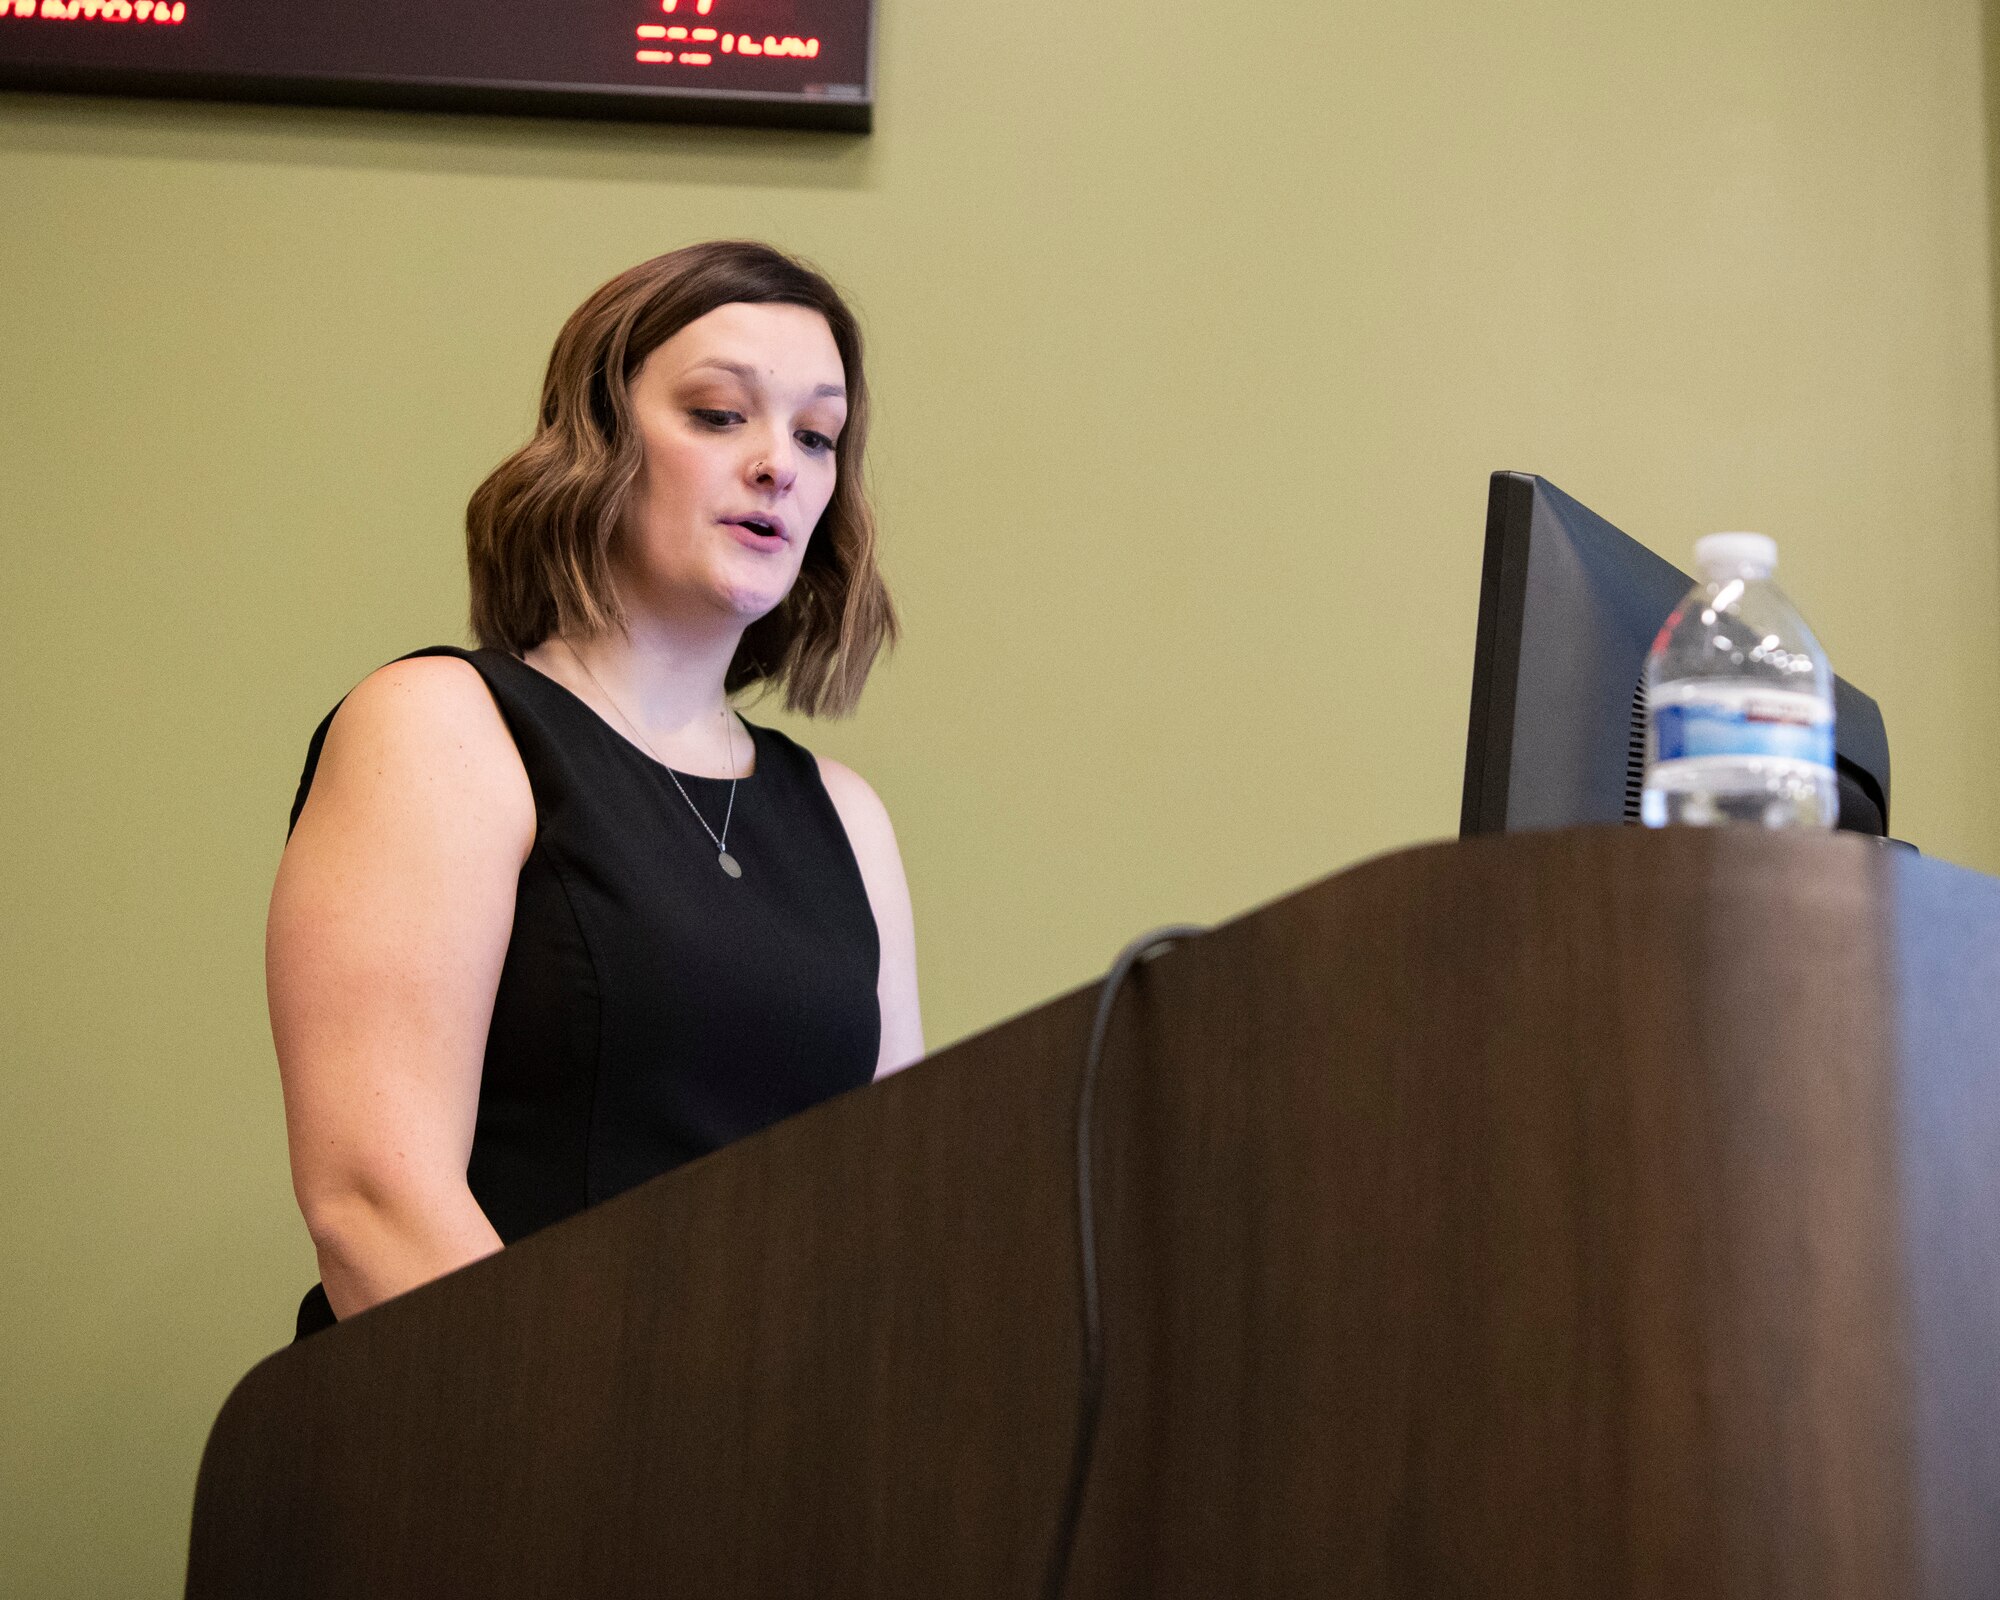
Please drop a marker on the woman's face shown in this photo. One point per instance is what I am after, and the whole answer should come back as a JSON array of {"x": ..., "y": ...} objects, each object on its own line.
[{"x": 738, "y": 413}]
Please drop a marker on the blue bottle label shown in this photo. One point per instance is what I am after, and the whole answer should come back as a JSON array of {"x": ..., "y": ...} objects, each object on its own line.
[{"x": 1772, "y": 723}]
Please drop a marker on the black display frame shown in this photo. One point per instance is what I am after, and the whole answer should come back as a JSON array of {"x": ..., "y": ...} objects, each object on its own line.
[
  {"x": 830, "y": 112},
  {"x": 1568, "y": 606}
]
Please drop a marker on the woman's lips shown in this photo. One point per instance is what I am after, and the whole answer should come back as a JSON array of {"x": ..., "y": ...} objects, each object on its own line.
[{"x": 750, "y": 531}]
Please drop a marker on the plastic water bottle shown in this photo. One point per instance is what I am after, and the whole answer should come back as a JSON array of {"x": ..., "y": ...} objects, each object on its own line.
[{"x": 1739, "y": 701}]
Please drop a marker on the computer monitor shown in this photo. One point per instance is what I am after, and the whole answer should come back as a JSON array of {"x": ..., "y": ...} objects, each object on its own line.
[{"x": 1568, "y": 607}]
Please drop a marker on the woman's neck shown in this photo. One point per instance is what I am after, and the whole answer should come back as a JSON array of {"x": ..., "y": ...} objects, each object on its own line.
[
  {"x": 666, "y": 676},
  {"x": 661, "y": 685}
]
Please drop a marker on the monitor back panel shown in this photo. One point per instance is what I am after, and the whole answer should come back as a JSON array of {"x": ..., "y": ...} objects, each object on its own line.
[{"x": 1568, "y": 608}]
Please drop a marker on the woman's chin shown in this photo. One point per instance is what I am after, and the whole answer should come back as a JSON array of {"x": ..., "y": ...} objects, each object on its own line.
[
  {"x": 732, "y": 596},
  {"x": 748, "y": 602}
]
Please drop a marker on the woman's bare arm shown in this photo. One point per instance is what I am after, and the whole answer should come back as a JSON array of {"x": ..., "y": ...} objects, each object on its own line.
[
  {"x": 881, "y": 863},
  {"x": 389, "y": 922}
]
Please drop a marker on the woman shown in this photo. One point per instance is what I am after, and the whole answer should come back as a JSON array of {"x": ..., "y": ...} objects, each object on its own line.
[{"x": 552, "y": 918}]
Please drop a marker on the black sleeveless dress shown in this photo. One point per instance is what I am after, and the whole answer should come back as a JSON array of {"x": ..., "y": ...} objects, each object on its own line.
[{"x": 652, "y": 1008}]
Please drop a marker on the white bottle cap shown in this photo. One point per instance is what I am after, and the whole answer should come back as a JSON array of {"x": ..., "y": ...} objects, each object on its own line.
[{"x": 1737, "y": 555}]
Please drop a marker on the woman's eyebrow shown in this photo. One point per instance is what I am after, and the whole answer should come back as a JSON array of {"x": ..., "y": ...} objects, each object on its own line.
[
  {"x": 749, "y": 375},
  {"x": 736, "y": 369}
]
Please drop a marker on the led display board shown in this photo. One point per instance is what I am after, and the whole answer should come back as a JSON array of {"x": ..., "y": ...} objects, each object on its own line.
[{"x": 795, "y": 63}]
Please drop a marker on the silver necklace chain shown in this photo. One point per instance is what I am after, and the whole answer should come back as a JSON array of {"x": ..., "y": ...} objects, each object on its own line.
[
  {"x": 721, "y": 839},
  {"x": 728, "y": 811}
]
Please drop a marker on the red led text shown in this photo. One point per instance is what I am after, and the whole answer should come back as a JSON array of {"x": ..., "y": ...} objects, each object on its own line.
[
  {"x": 658, "y": 36},
  {"x": 96, "y": 10}
]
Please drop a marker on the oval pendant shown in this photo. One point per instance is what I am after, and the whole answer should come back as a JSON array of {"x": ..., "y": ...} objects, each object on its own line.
[{"x": 729, "y": 864}]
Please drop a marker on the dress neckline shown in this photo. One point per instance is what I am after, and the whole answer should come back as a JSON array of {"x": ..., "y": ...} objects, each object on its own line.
[{"x": 625, "y": 740}]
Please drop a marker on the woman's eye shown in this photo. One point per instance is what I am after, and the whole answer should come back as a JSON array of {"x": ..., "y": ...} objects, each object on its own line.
[
  {"x": 714, "y": 419},
  {"x": 817, "y": 443}
]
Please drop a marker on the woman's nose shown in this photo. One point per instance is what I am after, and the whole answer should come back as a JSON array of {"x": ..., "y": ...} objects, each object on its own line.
[{"x": 774, "y": 469}]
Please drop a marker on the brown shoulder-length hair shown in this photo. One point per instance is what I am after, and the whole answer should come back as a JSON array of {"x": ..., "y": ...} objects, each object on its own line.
[{"x": 540, "y": 531}]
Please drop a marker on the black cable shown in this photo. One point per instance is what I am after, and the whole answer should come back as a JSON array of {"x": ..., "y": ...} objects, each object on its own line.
[{"x": 1091, "y": 1397}]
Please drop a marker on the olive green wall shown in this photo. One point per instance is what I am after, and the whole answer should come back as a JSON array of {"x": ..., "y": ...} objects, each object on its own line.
[{"x": 1196, "y": 331}]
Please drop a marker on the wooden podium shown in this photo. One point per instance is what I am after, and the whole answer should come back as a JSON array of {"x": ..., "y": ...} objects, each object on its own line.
[{"x": 1597, "y": 1214}]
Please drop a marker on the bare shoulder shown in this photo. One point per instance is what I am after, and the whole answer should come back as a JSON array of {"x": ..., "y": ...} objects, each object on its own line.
[
  {"x": 858, "y": 804},
  {"x": 419, "y": 736},
  {"x": 428, "y": 698}
]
